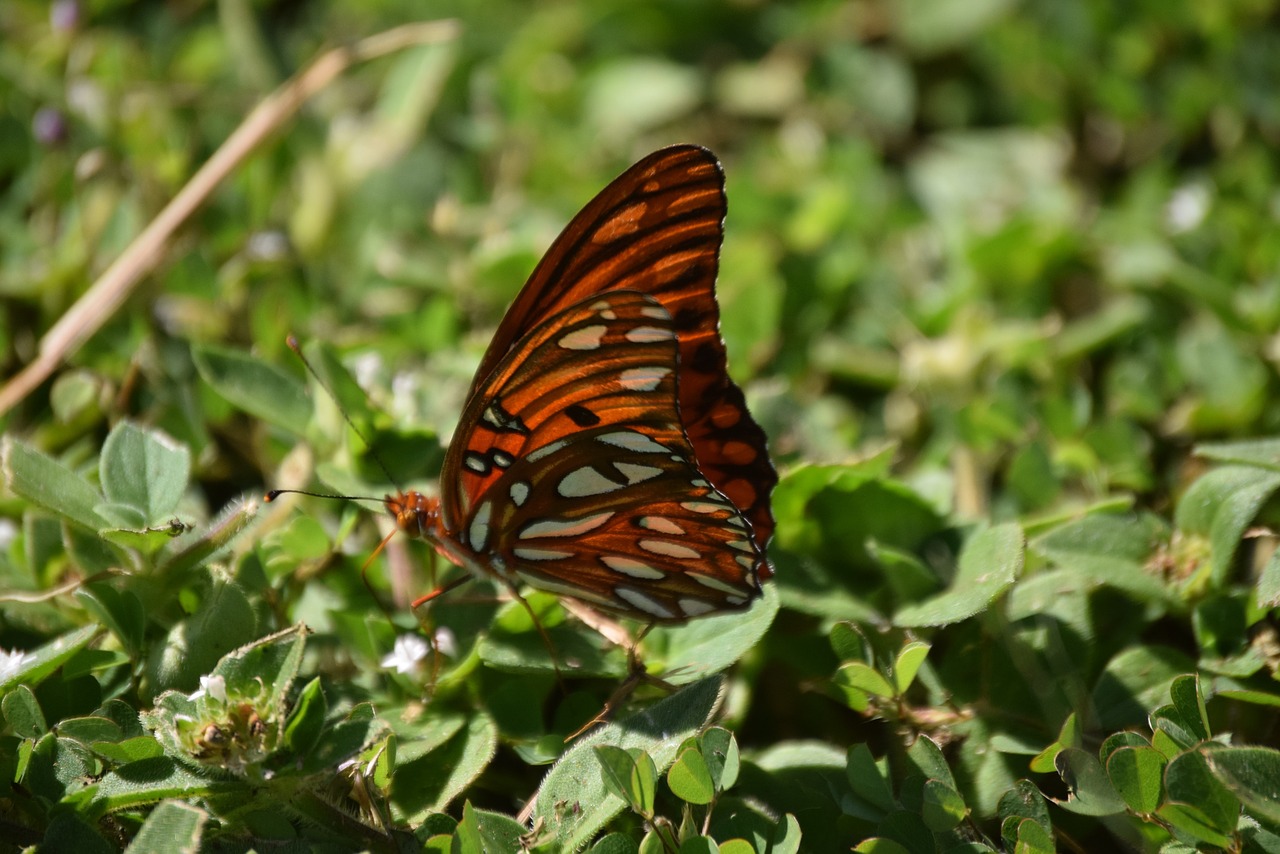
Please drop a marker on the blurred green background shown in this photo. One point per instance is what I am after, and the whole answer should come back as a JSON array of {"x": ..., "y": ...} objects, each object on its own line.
[
  {"x": 1005, "y": 260},
  {"x": 1040, "y": 229}
]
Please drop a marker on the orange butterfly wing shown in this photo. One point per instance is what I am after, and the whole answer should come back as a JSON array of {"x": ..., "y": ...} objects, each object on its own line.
[
  {"x": 578, "y": 478},
  {"x": 657, "y": 229}
]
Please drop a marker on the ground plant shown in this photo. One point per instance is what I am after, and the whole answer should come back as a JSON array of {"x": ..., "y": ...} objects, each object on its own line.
[{"x": 1000, "y": 282}]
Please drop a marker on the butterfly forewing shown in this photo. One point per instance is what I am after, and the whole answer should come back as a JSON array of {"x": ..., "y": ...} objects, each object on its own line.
[
  {"x": 577, "y": 477},
  {"x": 657, "y": 230}
]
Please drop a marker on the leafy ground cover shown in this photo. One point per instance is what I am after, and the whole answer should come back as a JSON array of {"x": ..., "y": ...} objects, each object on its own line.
[{"x": 1000, "y": 281}]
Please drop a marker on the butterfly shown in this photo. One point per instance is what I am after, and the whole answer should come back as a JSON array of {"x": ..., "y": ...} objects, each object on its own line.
[{"x": 604, "y": 453}]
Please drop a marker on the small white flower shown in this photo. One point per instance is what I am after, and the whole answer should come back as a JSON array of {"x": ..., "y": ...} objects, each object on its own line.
[
  {"x": 367, "y": 368},
  {"x": 1187, "y": 207},
  {"x": 11, "y": 663},
  {"x": 211, "y": 686},
  {"x": 8, "y": 532},
  {"x": 445, "y": 642},
  {"x": 407, "y": 655},
  {"x": 268, "y": 246}
]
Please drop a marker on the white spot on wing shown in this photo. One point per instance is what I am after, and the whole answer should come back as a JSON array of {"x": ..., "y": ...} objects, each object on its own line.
[
  {"x": 475, "y": 463},
  {"x": 668, "y": 549},
  {"x": 637, "y": 473},
  {"x": 583, "y": 482},
  {"x": 649, "y": 335},
  {"x": 586, "y": 338},
  {"x": 643, "y": 379},
  {"x": 726, "y": 587},
  {"x": 545, "y": 451},
  {"x": 540, "y": 554},
  {"x": 519, "y": 491},
  {"x": 564, "y": 527},
  {"x": 661, "y": 525},
  {"x": 633, "y": 568},
  {"x": 552, "y": 586},
  {"x": 694, "y": 607},
  {"x": 478, "y": 532},
  {"x": 656, "y": 311},
  {"x": 630, "y": 440},
  {"x": 701, "y": 506},
  {"x": 643, "y": 602}
]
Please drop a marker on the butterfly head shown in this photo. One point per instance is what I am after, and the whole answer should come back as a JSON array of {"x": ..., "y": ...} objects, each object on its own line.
[{"x": 416, "y": 514}]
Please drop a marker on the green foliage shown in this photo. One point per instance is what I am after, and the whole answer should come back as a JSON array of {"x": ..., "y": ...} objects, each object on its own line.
[{"x": 999, "y": 281}]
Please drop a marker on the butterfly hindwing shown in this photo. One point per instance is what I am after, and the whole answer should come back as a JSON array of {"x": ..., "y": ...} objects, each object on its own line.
[{"x": 577, "y": 477}]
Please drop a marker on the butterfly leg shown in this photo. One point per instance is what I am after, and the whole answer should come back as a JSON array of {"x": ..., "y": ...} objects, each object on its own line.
[{"x": 636, "y": 674}]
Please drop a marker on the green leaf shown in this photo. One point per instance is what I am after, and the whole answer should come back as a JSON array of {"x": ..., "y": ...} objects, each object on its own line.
[
  {"x": 863, "y": 677},
  {"x": 720, "y": 751},
  {"x": 1263, "y": 453},
  {"x": 35, "y": 666},
  {"x": 629, "y": 774},
  {"x": 1135, "y": 681},
  {"x": 943, "y": 807},
  {"x": 262, "y": 390},
  {"x": 1091, "y": 790},
  {"x": 787, "y": 838},
  {"x": 908, "y": 663},
  {"x": 1117, "y": 740},
  {"x": 877, "y": 845},
  {"x": 171, "y": 826},
  {"x": 47, "y": 483},
  {"x": 206, "y": 642},
  {"x": 907, "y": 829},
  {"x": 1267, "y": 589},
  {"x": 120, "y": 611},
  {"x": 869, "y": 781},
  {"x": 22, "y": 713},
  {"x": 709, "y": 645},
  {"x": 1137, "y": 774},
  {"x": 690, "y": 779},
  {"x": 699, "y": 845},
  {"x": 1029, "y": 837},
  {"x": 1025, "y": 802},
  {"x": 1187, "y": 699},
  {"x": 1251, "y": 774},
  {"x": 306, "y": 722},
  {"x": 1168, "y": 721},
  {"x": 988, "y": 565},
  {"x": 149, "y": 781},
  {"x": 90, "y": 729},
  {"x": 575, "y": 779},
  {"x": 144, "y": 469},
  {"x": 927, "y": 760},
  {"x": 481, "y": 831},
  {"x": 907, "y": 575},
  {"x": 1220, "y": 505},
  {"x": 577, "y": 652},
  {"x": 848, "y": 643},
  {"x": 428, "y": 784},
  {"x": 1194, "y": 822},
  {"x": 233, "y": 521},
  {"x": 129, "y": 750},
  {"x": 1190, "y": 783}
]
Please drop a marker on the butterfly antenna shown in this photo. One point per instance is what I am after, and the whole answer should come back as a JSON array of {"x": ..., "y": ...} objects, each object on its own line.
[{"x": 293, "y": 345}]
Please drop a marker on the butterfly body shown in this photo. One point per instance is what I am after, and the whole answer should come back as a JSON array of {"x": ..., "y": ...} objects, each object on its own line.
[{"x": 604, "y": 453}]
